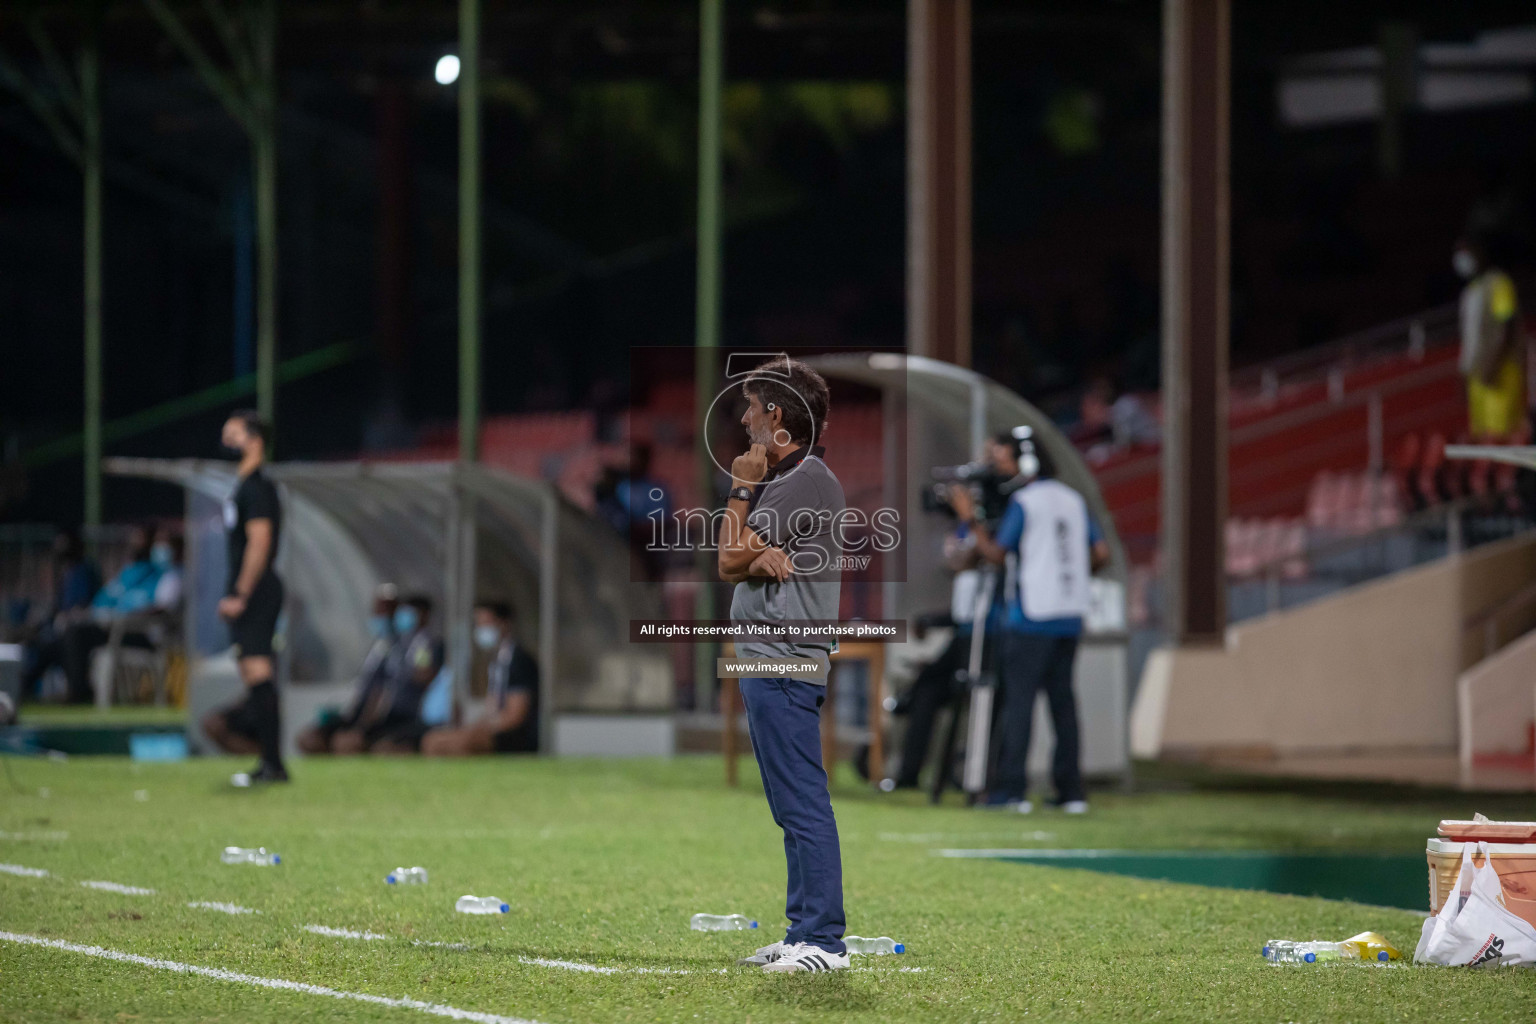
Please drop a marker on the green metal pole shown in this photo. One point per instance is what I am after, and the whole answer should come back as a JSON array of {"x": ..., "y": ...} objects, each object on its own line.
[
  {"x": 264, "y": 157},
  {"x": 707, "y": 299},
  {"x": 90, "y": 162},
  {"x": 707, "y": 296},
  {"x": 469, "y": 230}
]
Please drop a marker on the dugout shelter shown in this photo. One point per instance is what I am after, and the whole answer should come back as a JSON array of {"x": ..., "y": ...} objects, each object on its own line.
[{"x": 454, "y": 532}]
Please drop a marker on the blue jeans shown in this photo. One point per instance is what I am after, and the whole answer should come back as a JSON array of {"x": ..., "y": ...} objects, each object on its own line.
[{"x": 785, "y": 719}]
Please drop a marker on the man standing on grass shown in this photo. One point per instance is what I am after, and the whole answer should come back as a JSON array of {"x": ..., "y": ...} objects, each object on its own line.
[
  {"x": 1050, "y": 547},
  {"x": 779, "y": 545},
  {"x": 252, "y": 602}
]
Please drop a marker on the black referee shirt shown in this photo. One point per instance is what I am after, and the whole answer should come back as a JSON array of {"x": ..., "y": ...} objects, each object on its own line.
[{"x": 254, "y": 498}]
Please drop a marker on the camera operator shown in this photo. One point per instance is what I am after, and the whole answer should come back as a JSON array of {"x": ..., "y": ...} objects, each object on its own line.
[
  {"x": 1057, "y": 546},
  {"x": 994, "y": 478}
]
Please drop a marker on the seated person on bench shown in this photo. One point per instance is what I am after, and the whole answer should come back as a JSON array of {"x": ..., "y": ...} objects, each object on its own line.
[
  {"x": 390, "y": 722},
  {"x": 147, "y": 592},
  {"x": 510, "y": 722},
  {"x": 75, "y": 581},
  {"x": 383, "y": 653}
]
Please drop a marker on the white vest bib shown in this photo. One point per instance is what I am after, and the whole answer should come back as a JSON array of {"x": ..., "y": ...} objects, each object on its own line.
[{"x": 1053, "y": 551}]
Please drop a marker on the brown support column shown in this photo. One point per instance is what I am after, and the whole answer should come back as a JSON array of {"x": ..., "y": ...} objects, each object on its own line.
[
  {"x": 939, "y": 179},
  {"x": 729, "y": 691},
  {"x": 1196, "y": 112},
  {"x": 393, "y": 254},
  {"x": 877, "y": 714}
]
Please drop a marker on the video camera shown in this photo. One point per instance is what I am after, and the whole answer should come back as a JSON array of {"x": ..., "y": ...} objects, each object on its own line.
[{"x": 979, "y": 477}]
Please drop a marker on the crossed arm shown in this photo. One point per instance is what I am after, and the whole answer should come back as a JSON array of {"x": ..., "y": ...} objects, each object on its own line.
[{"x": 743, "y": 552}]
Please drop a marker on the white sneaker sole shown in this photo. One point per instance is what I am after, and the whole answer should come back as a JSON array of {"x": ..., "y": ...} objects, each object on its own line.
[
  {"x": 797, "y": 969},
  {"x": 829, "y": 962}
]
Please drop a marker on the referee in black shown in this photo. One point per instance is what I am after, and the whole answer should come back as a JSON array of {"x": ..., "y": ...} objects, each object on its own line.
[{"x": 253, "y": 599}]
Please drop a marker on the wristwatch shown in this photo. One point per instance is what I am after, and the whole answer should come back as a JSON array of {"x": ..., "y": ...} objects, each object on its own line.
[{"x": 742, "y": 493}]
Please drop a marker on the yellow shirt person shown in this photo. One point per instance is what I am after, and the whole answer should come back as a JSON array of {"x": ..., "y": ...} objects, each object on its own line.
[{"x": 1492, "y": 348}]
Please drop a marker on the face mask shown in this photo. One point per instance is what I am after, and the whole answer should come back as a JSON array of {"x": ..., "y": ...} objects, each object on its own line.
[
  {"x": 1465, "y": 264},
  {"x": 378, "y": 625},
  {"x": 406, "y": 620},
  {"x": 487, "y": 637},
  {"x": 160, "y": 554}
]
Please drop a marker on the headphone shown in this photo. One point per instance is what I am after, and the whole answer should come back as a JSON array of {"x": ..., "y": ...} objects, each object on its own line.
[{"x": 1024, "y": 446}]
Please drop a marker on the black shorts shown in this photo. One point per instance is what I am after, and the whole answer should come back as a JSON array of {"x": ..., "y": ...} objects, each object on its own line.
[
  {"x": 515, "y": 741},
  {"x": 251, "y": 633}
]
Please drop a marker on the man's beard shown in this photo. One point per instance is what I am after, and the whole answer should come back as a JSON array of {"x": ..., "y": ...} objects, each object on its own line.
[{"x": 759, "y": 435}]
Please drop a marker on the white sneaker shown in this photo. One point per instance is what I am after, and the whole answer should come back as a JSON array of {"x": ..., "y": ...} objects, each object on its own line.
[
  {"x": 802, "y": 956},
  {"x": 767, "y": 955},
  {"x": 1075, "y": 807}
]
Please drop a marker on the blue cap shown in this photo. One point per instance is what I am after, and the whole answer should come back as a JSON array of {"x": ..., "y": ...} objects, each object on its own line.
[
  {"x": 505, "y": 908},
  {"x": 901, "y": 947},
  {"x": 390, "y": 879},
  {"x": 276, "y": 859},
  {"x": 751, "y": 924},
  {"x": 1310, "y": 958},
  {"x": 1382, "y": 956}
]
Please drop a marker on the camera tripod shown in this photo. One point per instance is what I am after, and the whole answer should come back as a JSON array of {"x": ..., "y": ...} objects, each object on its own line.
[{"x": 975, "y": 688}]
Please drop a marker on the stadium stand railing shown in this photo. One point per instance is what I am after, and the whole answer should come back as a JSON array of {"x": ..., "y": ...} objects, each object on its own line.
[{"x": 1338, "y": 408}]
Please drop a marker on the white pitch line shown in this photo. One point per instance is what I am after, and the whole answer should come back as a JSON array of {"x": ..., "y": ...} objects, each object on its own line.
[
  {"x": 342, "y": 933},
  {"x": 573, "y": 965},
  {"x": 219, "y": 974},
  {"x": 939, "y": 837},
  {"x": 17, "y": 869},
  {"x": 118, "y": 887},
  {"x": 223, "y": 908},
  {"x": 568, "y": 965},
  {"x": 42, "y": 836}
]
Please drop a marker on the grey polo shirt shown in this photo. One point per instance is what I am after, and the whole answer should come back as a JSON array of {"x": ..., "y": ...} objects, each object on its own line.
[{"x": 796, "y": 508}]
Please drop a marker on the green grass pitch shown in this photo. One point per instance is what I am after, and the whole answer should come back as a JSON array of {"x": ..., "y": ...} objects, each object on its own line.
[{"x": 602, "y": 864}]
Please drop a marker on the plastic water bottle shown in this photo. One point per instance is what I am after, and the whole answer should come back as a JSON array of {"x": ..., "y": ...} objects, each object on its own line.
[
  {"x": 1371, "y": 946},
  {"x": 481, "y": 905},
  {"x": 721, "y": 923},
  {"x": 244, "y": 855},
  {"x": 1287, "y": 951},
  {"x": 873, "y": 947},
  {"x": 407, "y": 876}
]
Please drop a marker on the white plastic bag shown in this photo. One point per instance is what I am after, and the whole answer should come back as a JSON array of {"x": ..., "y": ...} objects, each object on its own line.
[{"x": 1473, "y": 929}]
